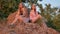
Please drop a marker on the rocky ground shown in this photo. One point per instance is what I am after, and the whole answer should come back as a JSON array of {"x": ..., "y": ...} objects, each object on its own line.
[{"x": 25, "y": 28}]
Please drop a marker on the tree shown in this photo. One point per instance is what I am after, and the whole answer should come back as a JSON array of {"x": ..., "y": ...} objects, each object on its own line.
[{"x": 56, "y": 22}]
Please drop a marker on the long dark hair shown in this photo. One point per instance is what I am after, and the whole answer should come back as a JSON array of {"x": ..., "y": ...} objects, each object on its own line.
[
  {"x": 27, "y": 13},
  {"x": 21, "y": 8},
  {"x": 32, "y": 8}
]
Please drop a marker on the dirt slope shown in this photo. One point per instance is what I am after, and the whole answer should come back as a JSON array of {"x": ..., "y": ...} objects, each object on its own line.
[{"x": 25, "y": 28}]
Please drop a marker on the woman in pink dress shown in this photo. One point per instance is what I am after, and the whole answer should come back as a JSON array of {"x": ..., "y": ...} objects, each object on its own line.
[{"x": 34, "y": 16}]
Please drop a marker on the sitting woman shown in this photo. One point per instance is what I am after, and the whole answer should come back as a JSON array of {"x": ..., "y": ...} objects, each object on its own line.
[
  {"x": 34, "y": 16},
  {"x": 19, "y": 13},
  {"x": 22, "y": 14}
]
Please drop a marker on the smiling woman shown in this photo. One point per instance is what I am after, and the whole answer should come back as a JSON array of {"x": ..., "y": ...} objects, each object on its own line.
[{"x": 34, "y": 16}]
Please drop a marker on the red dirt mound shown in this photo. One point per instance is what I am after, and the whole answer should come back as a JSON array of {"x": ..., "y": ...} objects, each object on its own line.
[{"x": 25, "y": 28}]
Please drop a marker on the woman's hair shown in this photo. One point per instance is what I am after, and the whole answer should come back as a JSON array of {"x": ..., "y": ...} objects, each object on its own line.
[
  {"x": 19, "y": 8},
  {"x": 32, "y": 6},
  {"x": 22, "y": 4},
  {"x": 27, "y": 11}
]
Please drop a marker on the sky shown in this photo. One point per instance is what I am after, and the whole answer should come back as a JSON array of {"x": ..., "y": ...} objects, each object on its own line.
[{"x": 54, "y": 3}]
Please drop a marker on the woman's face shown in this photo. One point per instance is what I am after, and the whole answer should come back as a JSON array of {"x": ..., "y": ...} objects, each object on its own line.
[
  {"x": 21, "y": 5},
  {"x": 33, "y": 6}
]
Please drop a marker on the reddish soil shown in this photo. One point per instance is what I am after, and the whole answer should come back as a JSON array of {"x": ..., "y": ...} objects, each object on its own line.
[{"x": 24, "y": 28}]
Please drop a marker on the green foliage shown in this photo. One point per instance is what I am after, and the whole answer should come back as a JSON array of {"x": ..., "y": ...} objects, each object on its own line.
[
  {"x": 52, "y": 17},
  {"x": 56, "y": 22},
  {"x": 8, "y": 6}
]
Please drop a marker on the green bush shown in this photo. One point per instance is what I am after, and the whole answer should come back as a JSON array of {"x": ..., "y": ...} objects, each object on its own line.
[
  {"x": 7, "y": 7},
  {"x": 56, "y": 22}
]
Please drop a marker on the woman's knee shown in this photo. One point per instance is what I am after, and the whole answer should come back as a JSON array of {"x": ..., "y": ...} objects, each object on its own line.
[{"x": 39, "y": 16}]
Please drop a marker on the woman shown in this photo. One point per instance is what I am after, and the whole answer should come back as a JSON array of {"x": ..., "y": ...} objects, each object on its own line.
[
  {"x": 19, "y": 13},
  {"x": 34, "y": 16}
]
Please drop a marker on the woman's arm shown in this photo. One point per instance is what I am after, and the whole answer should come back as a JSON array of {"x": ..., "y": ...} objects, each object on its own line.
[
  {"x": 14, "y": 21},
  {"x": 18, "y": 12}
]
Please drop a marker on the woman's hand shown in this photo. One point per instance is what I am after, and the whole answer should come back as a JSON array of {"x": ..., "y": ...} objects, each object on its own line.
[{"x": 16, "y": 16}]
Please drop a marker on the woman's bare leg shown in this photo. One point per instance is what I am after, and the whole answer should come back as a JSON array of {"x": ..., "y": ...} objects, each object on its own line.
[
  {"x": 37, "y": 17},
  {"x": 14, "y": 21},
  {"x": 20, "y": 19}
]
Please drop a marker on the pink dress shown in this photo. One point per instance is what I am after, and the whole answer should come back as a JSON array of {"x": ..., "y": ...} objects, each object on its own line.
[{"x": 33, "y": 15}]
